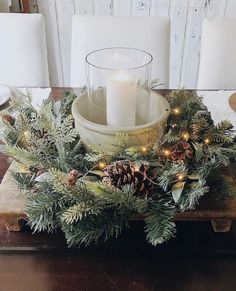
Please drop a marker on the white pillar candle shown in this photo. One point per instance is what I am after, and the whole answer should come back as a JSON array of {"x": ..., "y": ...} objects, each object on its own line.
[{"x": 121, "y": 100}]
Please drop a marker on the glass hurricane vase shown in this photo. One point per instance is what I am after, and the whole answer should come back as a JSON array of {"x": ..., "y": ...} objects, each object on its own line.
[{"x": 118, "y": 81}]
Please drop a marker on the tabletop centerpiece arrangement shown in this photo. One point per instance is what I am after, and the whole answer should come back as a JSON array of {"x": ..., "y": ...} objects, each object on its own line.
[{"x": 127, "y": 152}]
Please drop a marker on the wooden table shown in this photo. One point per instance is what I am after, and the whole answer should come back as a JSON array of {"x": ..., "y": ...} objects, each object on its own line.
[{"x": 220, "y": 213}]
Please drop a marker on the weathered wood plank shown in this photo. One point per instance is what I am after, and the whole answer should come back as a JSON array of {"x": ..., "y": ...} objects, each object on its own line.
[
  {"x": 33, "y": 5},
  {"x": 191, "y": 53},
  {"x": 178, "y": 14},
  {"x": 185, "y": 37},
  {"x": 141, "y": 7},
  {"x": 5, "y": 5},
  {"x": 216, "y": 8},
  {"x": 84, "y": 7},
  {"x": 48, "y": 9},
  {"x": 103, "y": 7},
  {"x": 122, "y": 7},
  {"x": 160, "y": 7},
  {"x": 230, "y": 10},
  {"x": 65, "y": 11}
]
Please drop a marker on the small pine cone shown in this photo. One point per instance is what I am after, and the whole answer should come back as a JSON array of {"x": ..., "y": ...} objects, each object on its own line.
[
  {"x": 72, "y": 177},
  {"x": 123, "y": 173},
  {"x": 181, "y": 151},
  {"x": 9, "y": 119},
  {"x": 196, "y": 128},
  {"x": 41, "y": 133}
]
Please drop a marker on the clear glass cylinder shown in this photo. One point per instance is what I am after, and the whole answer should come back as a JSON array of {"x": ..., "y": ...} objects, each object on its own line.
[{"x": 118, "y": 81}]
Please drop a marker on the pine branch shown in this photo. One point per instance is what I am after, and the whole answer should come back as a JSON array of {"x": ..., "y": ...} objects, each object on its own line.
[
  {"x": 160, "y": 225},
  {"x": 23, "y": 156},
  {"x": 190, "y": 199},
  {"x": 199, "y": 125},
  {"x": 26, "y": 181},
  {"x": 59, "y": 181},
  {"x": 42, "y": 209},
  {"x": 71, "y": 195},
  {"x": 80, "y": 211},
  {"x": 95, "y": 157},
  {"x": 112, "y": 149},
  {"x": 170, "y": 173},
  {"x": 92, "y": 228},
  {"x": 225, "y": 126},
  {"x": 170, "y": 137},
  {"x": 146, "y": 84},
  {"x": 119, "y": 198},
  {"x": 65, "y": 132},
  {"x": 8, "y": 133},
  {"x": 66, "y": 102},
  {"x": 220, "y": 156}
]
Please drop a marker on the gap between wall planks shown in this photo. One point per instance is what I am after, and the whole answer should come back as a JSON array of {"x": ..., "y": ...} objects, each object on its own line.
[{"x": 186, "y": 19}]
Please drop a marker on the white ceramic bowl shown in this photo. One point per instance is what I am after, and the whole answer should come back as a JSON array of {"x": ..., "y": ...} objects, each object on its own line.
[{"x": 99, "y": 133}]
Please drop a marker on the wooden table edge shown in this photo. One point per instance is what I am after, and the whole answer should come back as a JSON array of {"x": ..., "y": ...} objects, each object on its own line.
[{"x": 221, "y": 220}]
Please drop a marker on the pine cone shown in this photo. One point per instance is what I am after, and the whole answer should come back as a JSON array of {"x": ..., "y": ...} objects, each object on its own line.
[
  {"x": 181, "y": 151},
  {"x": 41, "y": 133},
  {"x": 72, "y": 177},
  {"x": 8, "y": 119},
  {"x": 123, "y": 173}
]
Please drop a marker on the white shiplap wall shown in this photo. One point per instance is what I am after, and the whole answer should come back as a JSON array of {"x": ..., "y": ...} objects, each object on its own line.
[
  {"x": 5, "y": 5},
  {"x": 186, "y": 19}
]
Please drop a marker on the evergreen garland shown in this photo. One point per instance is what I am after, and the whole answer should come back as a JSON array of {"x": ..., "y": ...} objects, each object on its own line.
[{"x": 67, "y": 188}]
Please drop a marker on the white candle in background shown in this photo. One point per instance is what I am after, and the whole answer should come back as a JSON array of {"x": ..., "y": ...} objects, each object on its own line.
[{"x": 121, "y": 100}]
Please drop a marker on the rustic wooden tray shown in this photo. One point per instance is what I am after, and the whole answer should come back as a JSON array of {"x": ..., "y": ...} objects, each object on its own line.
[{"x": 220, "y": 213}]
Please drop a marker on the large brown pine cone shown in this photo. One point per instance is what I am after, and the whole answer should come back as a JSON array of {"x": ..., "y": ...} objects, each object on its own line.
[
  {"x": 123, "y": 173},
  {"x": 181, "y": 151}
]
